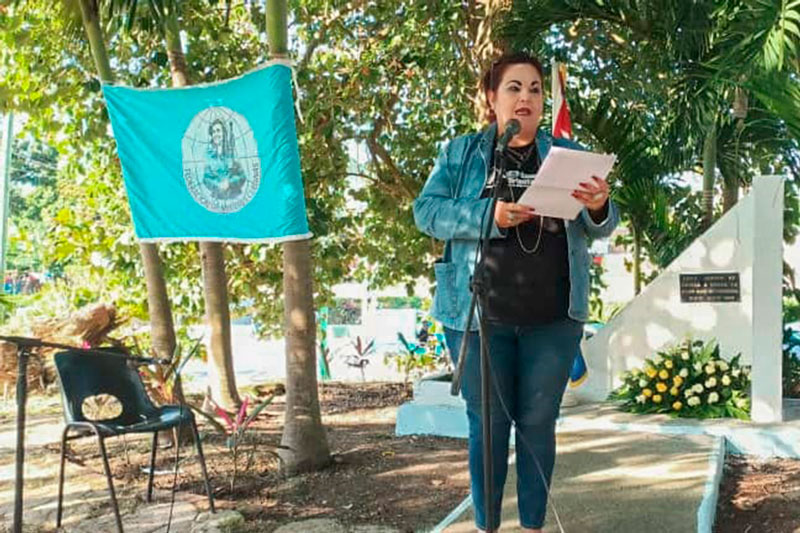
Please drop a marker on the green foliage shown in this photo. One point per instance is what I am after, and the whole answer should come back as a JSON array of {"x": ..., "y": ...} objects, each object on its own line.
[
  {"x": 345, "y": 311},
  {"x": 32, "y": 191},
  {"x": 791, "y": 363},
  {"x": 400, "y": 302},
  {"x": 418, "y": 359},
  {"x": 687, "y": 380},
  {"x": 161, "y": 379},
  {"x": 649, "y": 78},
  {"x": 596, "y": 286},
  {"x": 56, "y": 299},
  {"x": 381, "y": 84},
  {"x": 10, "y": 302}
]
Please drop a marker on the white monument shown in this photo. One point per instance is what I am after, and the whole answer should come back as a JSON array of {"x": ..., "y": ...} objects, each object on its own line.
[{"x": 744, "y": 247}]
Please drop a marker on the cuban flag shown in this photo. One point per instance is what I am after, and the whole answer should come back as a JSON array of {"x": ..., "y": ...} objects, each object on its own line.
[
  {"x": 562, "y": 122},
  {"x": 212, "y": 162},
  {"x": 562, "y": 128}
]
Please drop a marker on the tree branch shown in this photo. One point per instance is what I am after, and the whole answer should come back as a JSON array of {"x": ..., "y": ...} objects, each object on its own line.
[{"x": 381, "y": 156}]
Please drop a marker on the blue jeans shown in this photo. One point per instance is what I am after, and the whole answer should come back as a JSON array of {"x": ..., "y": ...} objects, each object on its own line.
[{"x": 531, "y": 366}]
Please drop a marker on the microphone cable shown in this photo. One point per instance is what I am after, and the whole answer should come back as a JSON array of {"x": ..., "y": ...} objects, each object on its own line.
[{"x": 177, "y": 371}]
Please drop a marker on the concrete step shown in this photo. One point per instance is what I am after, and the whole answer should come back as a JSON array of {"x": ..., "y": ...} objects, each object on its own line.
[{"x": 620, "y": 481}]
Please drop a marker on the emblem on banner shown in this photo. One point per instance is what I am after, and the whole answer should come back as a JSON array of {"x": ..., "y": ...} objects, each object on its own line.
[{"x": 221, "y": 166}]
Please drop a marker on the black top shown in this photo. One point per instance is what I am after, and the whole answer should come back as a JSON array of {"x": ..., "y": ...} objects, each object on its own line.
[{"x": 528, "y": 282}]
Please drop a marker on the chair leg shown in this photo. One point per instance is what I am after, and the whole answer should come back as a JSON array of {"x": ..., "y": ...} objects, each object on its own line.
[
  {"x": 61, "y": 476},
  {"x": 107, "y": 468},
  {"x": 152, "y": 467},
  {"x": 202, "y": 458}
]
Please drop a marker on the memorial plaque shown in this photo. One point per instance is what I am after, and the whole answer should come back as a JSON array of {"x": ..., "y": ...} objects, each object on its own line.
[{"x": 716, "y": 287}]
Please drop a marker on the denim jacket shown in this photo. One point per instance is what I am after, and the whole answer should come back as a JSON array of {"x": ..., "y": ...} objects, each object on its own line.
[{"x": 450, "y": 208}]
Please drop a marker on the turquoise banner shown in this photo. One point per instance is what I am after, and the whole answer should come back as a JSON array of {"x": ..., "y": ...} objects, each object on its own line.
[{"x": 215, "y": 162}]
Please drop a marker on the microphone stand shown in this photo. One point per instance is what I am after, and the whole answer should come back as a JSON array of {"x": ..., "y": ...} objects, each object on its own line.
[
  {"x": 479, "y": 285},
  {"x": 25, "y": 348}
]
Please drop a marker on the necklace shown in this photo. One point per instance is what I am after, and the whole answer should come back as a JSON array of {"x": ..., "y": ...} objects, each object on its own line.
[
  {"x": 519, "y": 157},
  {"x": 527, "y": 251}
]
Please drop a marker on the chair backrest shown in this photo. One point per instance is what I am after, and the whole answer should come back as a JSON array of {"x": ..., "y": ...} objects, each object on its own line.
[{"x": 84, "y": 375}]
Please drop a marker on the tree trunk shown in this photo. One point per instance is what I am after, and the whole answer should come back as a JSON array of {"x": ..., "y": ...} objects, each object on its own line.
[
  {"x": 730, "y": 192},
  {"x": 709, "y": 171},
  {"x": 215, "y": 281},
  {"x": 216, "y": 294},
  {"x": 303, "y": 432},
  {"x": 162, "y": 329},
  {"x": 637, "y": 259}
]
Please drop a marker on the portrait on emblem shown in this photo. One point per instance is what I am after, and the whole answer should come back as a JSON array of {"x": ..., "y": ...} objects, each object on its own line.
[{"x": 220, "y": 160}]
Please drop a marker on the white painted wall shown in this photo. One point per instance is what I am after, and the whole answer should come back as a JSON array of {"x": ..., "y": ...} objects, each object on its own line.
[{"x": 748, "y": 240}]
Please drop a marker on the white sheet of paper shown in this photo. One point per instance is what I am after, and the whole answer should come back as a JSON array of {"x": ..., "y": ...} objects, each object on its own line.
[{"x": 562, "y": 171}]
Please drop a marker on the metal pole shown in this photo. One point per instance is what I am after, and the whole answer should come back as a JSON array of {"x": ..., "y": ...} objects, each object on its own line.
[
  {"x": 5, "y": 173},
  {"x": 22, "y": 396}
]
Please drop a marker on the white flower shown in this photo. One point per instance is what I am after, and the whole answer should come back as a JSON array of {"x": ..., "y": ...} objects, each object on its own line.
[
  {"x": 684, "y": 373},
  {"x": 643, "y": 383},
  {"x": 710, "y": 369},
  {"x": 735, "y": 372},
  {"x": 640, "y": 399},
  {"x": 658, "y": 359},
  {"x": 688, "y": 393},
  {"x": 694, "y": 400},
  {"x": 698, "y": 366},
  {"x": 685, "y": 356},
  {"x": 746, "y": 371},
  {"x": 713, "y": 398},
  {"x": 711, "y": 382},
  {"x": 698, "y": 388},
  {"x": 726, "y": 380},
  {"x": 722, "y": 365},
  {"x": 741, "y": 403}
]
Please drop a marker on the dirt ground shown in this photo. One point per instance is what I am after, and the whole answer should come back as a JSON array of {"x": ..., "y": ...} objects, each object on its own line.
[
  {"x": 410, "y": 483},
  {"x": 759, "y": 496}
]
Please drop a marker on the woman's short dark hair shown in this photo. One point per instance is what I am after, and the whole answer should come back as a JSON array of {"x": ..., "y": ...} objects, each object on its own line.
[{"x": 492, "y": 76}]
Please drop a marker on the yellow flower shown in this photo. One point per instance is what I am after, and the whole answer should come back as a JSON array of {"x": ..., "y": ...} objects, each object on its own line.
[
  {"x": 660, "y": 387},
  {"x": 668, "y": 364},
  {"x": 647, "y": 393},
  {"x": 650, "y": 371},
  {"x": 663, "y": 374},
  {"x": 677, "y": 406},
  {"x": 678, "y": 381},
  {"x": 656, "y": 398},
  {"x": 674, "y": 391}
]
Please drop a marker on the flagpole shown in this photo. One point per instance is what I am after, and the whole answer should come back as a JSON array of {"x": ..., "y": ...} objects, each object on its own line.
[
  {"x": 556, "y": 92},
  {"x": 5, "y": 172}
]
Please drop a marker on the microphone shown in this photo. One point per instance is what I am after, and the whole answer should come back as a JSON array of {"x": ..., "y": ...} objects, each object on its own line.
[{"x": 512, "y": 128}]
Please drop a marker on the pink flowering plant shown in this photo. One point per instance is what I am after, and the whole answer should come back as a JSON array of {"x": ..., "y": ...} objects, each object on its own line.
[
  {"x": 690, "y": 380},
  {"x": 235, "y": 428}
]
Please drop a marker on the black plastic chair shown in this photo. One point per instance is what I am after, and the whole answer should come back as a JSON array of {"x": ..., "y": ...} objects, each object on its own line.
[{"x": 84, "y": 375}]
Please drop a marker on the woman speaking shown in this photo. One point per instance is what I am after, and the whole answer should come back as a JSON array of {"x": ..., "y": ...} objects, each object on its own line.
[{"x": 538, "y": 282}]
